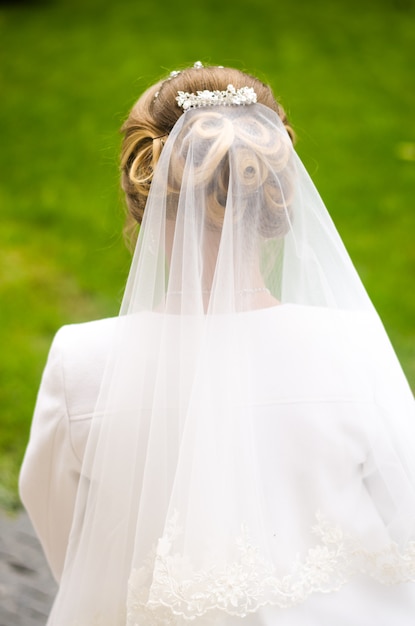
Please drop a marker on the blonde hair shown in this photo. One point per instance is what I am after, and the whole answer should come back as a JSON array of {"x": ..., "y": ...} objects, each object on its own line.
[{"x": 153, "y": 117}]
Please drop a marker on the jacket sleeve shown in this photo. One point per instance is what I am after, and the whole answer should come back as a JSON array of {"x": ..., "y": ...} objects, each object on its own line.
[{"x": 50, "y": 471}]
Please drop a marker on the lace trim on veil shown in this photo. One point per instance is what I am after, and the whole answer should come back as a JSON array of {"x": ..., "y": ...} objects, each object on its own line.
[
  {"x": 167, "y": 591},
  {"x": 250, "y": 582}
]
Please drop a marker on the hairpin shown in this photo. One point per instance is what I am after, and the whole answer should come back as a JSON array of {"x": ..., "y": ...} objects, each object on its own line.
[
  {"x": 198, "y": 65},
  {"x": 161, "y": 137}
]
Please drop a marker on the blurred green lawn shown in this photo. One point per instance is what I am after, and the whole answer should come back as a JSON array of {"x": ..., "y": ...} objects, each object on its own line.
[{"x": 69, "y": 72}]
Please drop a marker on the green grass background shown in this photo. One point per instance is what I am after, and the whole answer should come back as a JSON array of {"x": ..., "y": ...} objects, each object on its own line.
[{"x": 69, "y": 72}]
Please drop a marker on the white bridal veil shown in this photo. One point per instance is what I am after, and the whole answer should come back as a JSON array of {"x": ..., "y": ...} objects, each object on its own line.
[{"x": 252, "y": 443}]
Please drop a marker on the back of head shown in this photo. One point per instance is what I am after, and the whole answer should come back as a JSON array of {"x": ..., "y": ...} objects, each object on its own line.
[{"x": 156, "y": 113}]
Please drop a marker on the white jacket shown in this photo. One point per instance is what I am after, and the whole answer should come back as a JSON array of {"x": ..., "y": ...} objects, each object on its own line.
[{"x": 66, "y": 399}]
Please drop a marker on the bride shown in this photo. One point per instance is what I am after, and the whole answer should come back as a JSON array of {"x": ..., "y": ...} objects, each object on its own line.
[{"x": 237, "y": 447}]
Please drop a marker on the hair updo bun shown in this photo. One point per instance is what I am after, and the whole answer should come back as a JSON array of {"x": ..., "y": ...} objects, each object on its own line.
[
  {"x": 153, "y": 117},
  {"x": 234, "y": 152}
]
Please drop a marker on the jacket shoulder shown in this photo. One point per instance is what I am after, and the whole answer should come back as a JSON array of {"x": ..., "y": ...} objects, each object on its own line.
[{"x": 82, "y": 350}]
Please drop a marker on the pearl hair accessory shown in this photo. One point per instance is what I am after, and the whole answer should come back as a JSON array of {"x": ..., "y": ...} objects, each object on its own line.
[
  {"x": 198, "y": 65},
  {"x": 232, "y": 96}
]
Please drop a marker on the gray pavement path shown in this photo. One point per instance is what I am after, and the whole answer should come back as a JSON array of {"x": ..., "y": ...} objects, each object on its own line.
[{"x": 27, "y": 588}]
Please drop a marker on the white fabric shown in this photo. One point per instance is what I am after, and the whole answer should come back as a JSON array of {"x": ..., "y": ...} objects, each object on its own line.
[
  {"x": 309, "y": 433},
  {"x": 249, "y": 455},
  {"x": 65, "y": 404}
]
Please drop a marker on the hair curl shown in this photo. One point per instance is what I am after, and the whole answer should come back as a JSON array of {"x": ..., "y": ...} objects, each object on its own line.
[
  {"x": 240, "y": 150},
  {"x": 153, "y": 117}
]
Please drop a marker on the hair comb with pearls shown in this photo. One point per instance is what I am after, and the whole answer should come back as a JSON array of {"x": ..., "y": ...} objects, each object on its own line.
[{"x": 230, "y": 97}]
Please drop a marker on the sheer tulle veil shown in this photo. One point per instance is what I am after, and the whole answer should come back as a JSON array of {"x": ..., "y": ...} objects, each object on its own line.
[{"x": 246, "y": 360}]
